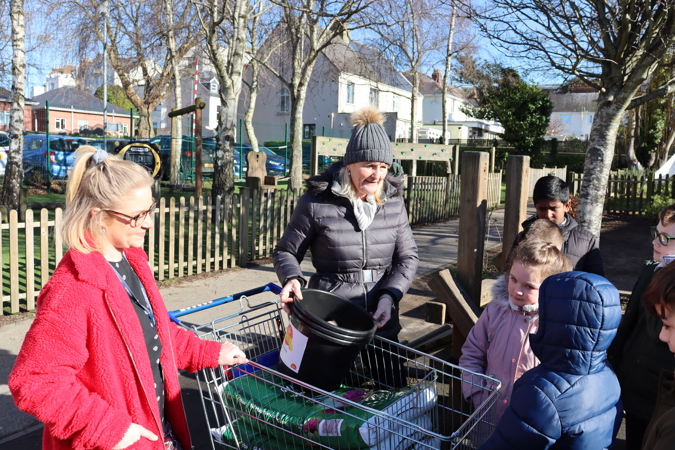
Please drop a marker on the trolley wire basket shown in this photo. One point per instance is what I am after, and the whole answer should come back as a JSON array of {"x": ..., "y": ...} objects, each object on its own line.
[{"x": 253, "y": 406}]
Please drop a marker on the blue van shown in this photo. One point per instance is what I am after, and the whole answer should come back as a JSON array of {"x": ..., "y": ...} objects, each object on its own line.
[{"x": 61, "y": 154}]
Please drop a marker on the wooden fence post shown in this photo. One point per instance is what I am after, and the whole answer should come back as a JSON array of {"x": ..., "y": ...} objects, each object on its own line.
[
  {"x": 455, "y": 162},
  {"x": 472, "y": 215},
  {"x": 243, "y": 227},
  {"x": 515, "y": 211}
]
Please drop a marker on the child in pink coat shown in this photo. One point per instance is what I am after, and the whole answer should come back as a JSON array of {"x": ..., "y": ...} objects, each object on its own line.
[{"x": 498, "y": 345}]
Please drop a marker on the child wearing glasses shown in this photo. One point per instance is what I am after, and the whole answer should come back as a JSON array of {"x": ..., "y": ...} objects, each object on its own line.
[
  {"x": 637, "y": 354},
  {"x": 99, "y": 365}
]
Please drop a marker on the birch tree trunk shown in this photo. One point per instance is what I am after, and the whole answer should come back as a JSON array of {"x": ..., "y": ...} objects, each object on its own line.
[
  {"x": 413, "y": 103},
  {"x": 253, "y": 97},
  {"x": 599, "y": 156},
  {"x": 229, "y": 74},
  {"x": 176, "y": 135},
  {"x": 446, "y": 75},
  {"x": 13, "y": 181},
  {"x": 254, "y": 64}
]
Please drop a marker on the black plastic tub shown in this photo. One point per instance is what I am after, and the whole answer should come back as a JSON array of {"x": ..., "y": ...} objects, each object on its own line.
[{"x": 318, "y": 352}]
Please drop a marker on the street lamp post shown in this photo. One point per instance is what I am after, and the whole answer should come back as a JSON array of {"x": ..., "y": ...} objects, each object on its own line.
[{"x": 105, "y": 9}]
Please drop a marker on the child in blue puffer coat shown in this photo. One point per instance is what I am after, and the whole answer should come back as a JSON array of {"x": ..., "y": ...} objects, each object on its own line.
[{"x": 572, "y": 399}]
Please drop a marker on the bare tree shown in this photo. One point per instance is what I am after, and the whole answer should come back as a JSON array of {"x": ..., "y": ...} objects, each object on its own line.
[
  {"x": 612, "y": 46},
  {"x": 14, "y": 170},
  {"x": 306, "y": 29},
  {"x": 225, "y": 27},
  {"x": 446, "y": 74},
  {"x": 454, "y": 47},
  {"x": 555, "y": 126},
  {"x": 412, "y": 34},
  {"x": 176, "y": 135},
  {"x": 5, "y": 43},
  {"x": 254, "y": 66},
  {"x": 137, "y": 46}
]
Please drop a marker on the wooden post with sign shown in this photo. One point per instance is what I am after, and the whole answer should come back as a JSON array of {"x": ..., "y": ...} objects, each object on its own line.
[
  {"x": 197, "y": 109},
  {"x": 515, "y": 211},
  {"x": 472, "y": 216}
]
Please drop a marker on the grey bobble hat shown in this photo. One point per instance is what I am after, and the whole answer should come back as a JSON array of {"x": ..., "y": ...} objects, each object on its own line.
[{"x": 369, "y": 141}]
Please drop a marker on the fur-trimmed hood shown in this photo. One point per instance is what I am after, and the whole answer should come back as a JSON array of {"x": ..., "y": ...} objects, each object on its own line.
[{"x": 321, "y": 185}]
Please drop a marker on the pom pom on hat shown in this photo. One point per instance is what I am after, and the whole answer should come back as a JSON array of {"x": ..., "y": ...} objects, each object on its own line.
[
  {"x": 367, "y": 115},
  {"x": 369, "y": 141}
]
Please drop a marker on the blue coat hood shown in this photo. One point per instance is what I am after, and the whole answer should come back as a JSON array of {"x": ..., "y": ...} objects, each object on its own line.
[{"x": 579, "y": 314}]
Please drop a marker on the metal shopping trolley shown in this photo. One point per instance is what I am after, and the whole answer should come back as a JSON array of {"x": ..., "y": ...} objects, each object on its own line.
[{"x": 253, "y": 406}]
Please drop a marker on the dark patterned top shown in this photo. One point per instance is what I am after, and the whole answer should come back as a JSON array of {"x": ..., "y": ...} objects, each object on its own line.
[{"x": 152, "y": 342}]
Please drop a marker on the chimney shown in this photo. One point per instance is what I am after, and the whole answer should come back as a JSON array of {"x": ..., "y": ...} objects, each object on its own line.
[
  {"x": 342, "y": 28},
  {"x": 436, "y": 76}
]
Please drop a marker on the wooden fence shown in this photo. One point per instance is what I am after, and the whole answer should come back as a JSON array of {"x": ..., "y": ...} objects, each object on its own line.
[
  {"x": 192, "y": 237},
  {"x": 535, "y": 174},
  {"x": 628, "y": 193}
]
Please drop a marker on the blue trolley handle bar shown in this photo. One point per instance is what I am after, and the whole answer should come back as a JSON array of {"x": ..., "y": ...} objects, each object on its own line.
[{"x": 269, "y": 287}]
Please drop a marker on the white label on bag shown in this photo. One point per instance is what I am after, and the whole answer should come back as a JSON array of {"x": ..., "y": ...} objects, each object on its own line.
[
  {"x": 293, "y": 348},
  {"x": 330, "y": 427}
]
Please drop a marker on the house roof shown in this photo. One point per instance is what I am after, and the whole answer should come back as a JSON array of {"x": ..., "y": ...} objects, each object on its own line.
[
  {"x": 429, "y": 86},
  {"x": 5, "y": 94},
  {"x": 68, "y": 96},
  {"x": 575, "y": 102},
  {"x": 364, "y": 61}
]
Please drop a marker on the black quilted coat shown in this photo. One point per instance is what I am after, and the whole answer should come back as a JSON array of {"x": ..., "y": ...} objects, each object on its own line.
[{"x": 324, "y": 223}]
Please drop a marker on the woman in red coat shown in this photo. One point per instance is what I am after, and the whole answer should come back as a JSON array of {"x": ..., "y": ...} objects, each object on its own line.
[{"x": 99, "y": 364}]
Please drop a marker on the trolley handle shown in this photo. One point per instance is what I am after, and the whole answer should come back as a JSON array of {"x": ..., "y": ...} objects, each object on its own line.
[{"x": 174, "y": 315}]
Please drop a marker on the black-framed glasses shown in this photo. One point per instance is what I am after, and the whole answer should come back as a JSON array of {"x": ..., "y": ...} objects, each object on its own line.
[
  {"x": 139, "y": 218},
  {"x": 664, "y": 239}
]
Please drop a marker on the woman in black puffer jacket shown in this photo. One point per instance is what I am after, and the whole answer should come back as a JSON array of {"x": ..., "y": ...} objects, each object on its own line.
[{"x": 354, "y": 222}]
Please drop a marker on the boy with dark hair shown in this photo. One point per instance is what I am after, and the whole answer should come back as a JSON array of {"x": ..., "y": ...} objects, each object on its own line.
[{"x": 551, "y": 198}]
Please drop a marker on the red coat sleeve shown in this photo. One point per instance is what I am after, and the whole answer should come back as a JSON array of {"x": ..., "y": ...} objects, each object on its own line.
[{"x": 193, "y": 353}]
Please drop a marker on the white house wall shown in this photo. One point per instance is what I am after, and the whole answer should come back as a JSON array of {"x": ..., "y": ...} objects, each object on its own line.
[
  {"x": 393, "y": 101},
  {"x": 575, "y": 124},
  {"x": 433, "y": 109},
  {"x": 326, "y": 104}
]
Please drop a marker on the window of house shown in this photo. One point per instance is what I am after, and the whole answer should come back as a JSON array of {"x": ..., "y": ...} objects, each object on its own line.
[
  {"x": 284, "y": 101},
  {"x": 308, "y": 130},
  {"x": 590, "y": 118},
  {"x": 214, "y": 86},
  {"x": 60, "y": 124},
  {"x": 394, "y": 103},
  {"x": 375, "y": 97},
  {"x": 350, "y": 93},
  {"x": 82, "y": 125},
  {"x": 5, "y": 117},
  {"x": 566, "y": 118}
]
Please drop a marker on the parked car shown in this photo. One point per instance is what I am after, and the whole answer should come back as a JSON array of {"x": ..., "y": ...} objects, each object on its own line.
[
  {"x": 275, "y": 164},
  {"x": 61, "y": 154},
  {"x": 113, "y": 145},
  {"x": 4, "y": 151},
  {"x": 163, "y": 141}
]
